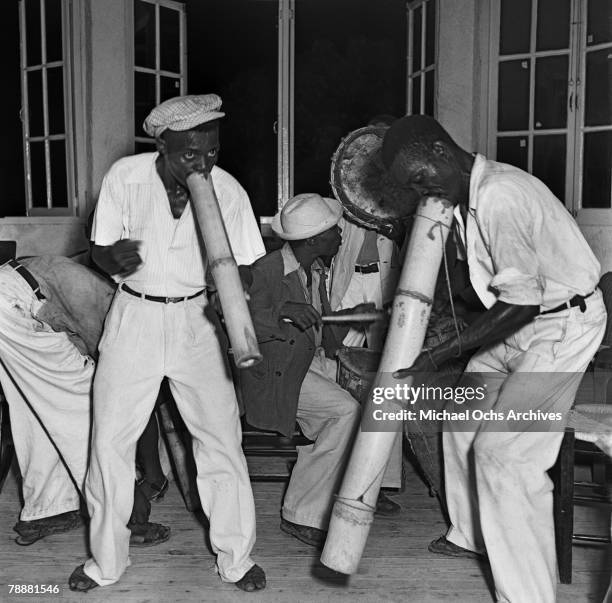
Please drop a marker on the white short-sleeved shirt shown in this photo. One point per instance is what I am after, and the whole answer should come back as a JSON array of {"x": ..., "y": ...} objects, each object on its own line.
[
  {"x": 133, "y": 204},
  {"x": 523, "y": 246}
]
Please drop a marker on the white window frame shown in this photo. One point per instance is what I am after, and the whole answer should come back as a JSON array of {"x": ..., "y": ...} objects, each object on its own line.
[
  {"x": 418, "y": 72},
  {"x": 157, "y": 71},
  {"x": 68, "y": 14},
  {"x": 575, "y": 129}
]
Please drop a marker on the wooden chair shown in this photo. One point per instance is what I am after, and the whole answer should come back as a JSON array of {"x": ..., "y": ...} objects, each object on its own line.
[
  {"x": 568, "y": 493},
  {"x": 270, "y": 444}
]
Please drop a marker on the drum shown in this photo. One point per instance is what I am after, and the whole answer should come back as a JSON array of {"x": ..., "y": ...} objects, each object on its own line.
[
  {"x": 356, "y": 370},
  {"x": 363, "y": 186}
]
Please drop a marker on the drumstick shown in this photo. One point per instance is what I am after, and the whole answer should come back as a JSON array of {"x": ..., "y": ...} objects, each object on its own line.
[{"x": 358, "y": 317}]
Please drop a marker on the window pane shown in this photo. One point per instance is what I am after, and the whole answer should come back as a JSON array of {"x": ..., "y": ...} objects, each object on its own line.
[
  {"x": 33, "y": 37},
  {"x": 513, "y": 95},
  {"x": 35, "y": 103},
  {"x": 55, "y": 89},
  {"x": 513, "y": 150},
  {"x": 429, "y": 93},
  {"x": 247, "y": 83},
  {"x": 596, "y": 181},
  {"x": 430, "y": 33},
  {"x": 415, "y": 109},
  {"x": 144, "y": 99},
  {"x": 37, "y": 168},
  {"x": 59, "y": 187},
  {"x": 598, "y": 89},
  {"x": 549, "y": 162},
  {"x": 12, "y": 200},
  {"x": 599, "y": 22},
  {"x": 551, "y": 92},
  {"x": 515, "y": 27},
  {"x": 169, "y": 39},
  {"x": 169, "y": 87},
  {"x": 53, "y": 19},
  {"x": 554, "y": 18},
  {"x": 344, "y": 51},
  {"x": 144, "y": 34},
  {"x": 416, "y": 38}
]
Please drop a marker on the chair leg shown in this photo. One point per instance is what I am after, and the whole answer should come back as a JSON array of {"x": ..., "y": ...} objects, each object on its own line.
[{"x": 563, "y": 494}]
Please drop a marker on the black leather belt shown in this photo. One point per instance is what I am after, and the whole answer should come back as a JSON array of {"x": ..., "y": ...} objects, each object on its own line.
[
  {"x": 159, "y": 298},
  {"x": 367, "y": 269},
  {"x": 577, "y": 300},
  {"x": 26, "y": 275}
]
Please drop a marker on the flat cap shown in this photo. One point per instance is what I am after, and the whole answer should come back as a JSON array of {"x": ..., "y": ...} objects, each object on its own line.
[{"x": 183, "y": 113}]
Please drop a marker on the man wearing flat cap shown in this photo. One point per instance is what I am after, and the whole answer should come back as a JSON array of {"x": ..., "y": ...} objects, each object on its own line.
[
  {"x": 145, "y": 236},
  {"x": 296, "y": 380}
]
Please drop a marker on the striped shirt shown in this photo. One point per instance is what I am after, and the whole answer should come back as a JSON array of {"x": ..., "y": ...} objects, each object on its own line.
[{"x": 133, "y": 204}]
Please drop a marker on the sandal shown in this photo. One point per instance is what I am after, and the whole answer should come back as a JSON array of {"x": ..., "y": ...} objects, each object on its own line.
[
  {"x": 79, "y": 581},
  {"x": 152, "y": 491},
  {"x": 148, "y": 534},
  {"x": 32, "y": 531}
]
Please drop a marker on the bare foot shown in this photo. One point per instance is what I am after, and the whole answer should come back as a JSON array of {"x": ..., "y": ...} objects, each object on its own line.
[{"x": 254, "y": 579}]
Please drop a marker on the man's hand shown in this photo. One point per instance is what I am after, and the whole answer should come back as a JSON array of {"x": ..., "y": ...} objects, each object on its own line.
[
  {"x": 422, "y": 364},
  {"x": 302, "y": 315},
  {"x": 125, "y": 255}
]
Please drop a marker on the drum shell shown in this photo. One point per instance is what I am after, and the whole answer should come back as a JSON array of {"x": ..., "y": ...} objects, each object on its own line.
[{"x": 356, "y": 370}]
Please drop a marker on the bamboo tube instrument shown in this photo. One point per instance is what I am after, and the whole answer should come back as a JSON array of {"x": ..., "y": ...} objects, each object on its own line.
[
  {"x": 353, "y": 510},
  {"x": 223, "y": 266}
]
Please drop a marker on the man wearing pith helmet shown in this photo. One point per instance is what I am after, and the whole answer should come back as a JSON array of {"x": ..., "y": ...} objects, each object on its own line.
[
  {"x": 144, "y": 235},
  {"x": 536, "y": 275}
]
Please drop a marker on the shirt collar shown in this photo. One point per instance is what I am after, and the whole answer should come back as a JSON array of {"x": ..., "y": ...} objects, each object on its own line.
[
  {"x": 290, "y": 263},
  {"x": 480, "y": 163},
  {"x": 144, "y": 171}
]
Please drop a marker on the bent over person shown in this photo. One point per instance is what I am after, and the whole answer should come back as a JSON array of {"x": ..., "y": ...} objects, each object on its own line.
[
  {"x": 51, "y": 314},
  {"x": 536, "y": 275},
  {"x": 145, "y": 235}
]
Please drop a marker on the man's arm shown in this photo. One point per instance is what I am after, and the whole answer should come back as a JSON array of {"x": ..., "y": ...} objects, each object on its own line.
[
  {"x": 121, "y": 258},
  {"x": 497, "y": 323}
]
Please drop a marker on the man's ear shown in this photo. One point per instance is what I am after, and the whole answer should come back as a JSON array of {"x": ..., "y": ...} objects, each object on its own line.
[
  {"x": 439, "y": 148},
  {"x": 160, "y": 143}
]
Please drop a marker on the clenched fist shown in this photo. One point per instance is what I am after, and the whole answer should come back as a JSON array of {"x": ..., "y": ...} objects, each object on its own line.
[
  {"x": 302, "y": 315},
  {"x": 125, "y": 255}
]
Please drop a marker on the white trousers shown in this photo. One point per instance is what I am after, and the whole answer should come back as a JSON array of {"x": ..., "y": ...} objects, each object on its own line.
[
  {"x": 144, "y": 341},
  {"x": 498, "y": 492},
  {"x": 328, "y": 415},
  {"x": 56, "y": 380},
  {"x": 363, "y": 289}
]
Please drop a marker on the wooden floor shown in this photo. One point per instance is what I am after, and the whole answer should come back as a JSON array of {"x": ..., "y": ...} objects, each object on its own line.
[{"x": 396, "y": 565}]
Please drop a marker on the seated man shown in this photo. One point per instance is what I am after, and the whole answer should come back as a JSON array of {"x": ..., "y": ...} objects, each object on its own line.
[
  {"x": 296, "y": 380},
  {"x": 52, "y": 310}
]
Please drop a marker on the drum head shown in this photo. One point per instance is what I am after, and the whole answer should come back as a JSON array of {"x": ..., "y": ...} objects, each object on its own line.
[{"x": 363, "y": 186}]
